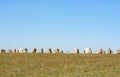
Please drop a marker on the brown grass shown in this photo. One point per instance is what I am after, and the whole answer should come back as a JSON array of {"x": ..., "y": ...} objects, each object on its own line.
[{"x": 59, "y": 65}]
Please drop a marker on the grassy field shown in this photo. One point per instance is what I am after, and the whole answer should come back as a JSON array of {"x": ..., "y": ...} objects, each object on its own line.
[{"x": 59, "y": 65}]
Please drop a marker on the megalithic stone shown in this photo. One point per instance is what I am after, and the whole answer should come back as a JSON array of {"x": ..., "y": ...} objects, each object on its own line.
[
  {"x": 118, "y": 51},
  {"x": 41, "y": 50},
  {"x": 34, "y": 50},
  {"x": 76, "y": 50},
  {"x": 49, "y": 50},
  {"x": 83, "y": 51},
  {"x": 88, "y": 51},
  {"x": 99, "y": 51},
  {"x": 14, "y": 50},
  {"x": 57, "y": 50},
  {"x": 110, "y": 51},
  {"x": 2, "y": 50},
  {"x": 26, "y": 50}
]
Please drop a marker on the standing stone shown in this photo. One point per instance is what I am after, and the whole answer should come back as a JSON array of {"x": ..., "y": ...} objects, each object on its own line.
[
  {"x": 110, "y": 51},
  {"x": 76, "y": 50},
  {"x": 34, "y": 50},
  {"x": 83, "y": 51},
  {"x": 2, "y": 51},
  {"x": 99, "y": 51},
  {"x": 57, "y": 50},
  {"x": 14, "y": 50},
  {"x": 41, "y": 50},
  {"x": 88, "y": 51},
  {"x": 118, "y": 51},
  {"x": 26, "y": 50},
  {"x": 49, "y": 50}
]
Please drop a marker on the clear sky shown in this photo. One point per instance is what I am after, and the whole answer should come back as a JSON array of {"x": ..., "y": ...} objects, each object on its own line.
[{"x": 64, "y": 24}]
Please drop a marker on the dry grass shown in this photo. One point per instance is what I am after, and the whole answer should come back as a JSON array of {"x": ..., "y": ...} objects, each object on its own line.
[{"x": 59, "y": 65}]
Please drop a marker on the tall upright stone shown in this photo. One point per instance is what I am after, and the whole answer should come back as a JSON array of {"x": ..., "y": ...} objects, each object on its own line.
[
  {"x": 34, "y": 50},
  {"x": 110, "y": 51},
  {"x": 118, "y": 51},
  {"x": 26, "y": 50},
  {"x": 49, "y": 50},
  {"x": 41, "y": 50},
  {"x": 14, "y": 50},
  {"x": 57, "y": 50},
  {"x": 2, "y": 51},
  {"x": 99, "y": 51},
  {"x": 76, "y": 50},
  {"x": 88, "y": 51}
]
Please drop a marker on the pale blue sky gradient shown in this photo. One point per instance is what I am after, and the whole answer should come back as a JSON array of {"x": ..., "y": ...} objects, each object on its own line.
[{"x": 63, "y": 24}]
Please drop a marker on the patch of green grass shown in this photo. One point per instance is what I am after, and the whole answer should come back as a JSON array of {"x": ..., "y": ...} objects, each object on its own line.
[{"x": 59, "y": 65}]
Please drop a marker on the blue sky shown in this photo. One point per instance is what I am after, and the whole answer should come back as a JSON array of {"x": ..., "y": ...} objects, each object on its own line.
[{"x": 64, "y": 24}]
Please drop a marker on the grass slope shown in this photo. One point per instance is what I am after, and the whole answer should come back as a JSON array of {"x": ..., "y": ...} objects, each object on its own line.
[{"x": 59, "y": 65}]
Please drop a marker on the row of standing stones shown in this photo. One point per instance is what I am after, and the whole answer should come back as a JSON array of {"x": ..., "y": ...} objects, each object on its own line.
[{"x": 76, "y": 51}]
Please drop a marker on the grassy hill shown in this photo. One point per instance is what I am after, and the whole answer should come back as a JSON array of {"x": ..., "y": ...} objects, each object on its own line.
[{"x": 59, "y": 65}]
